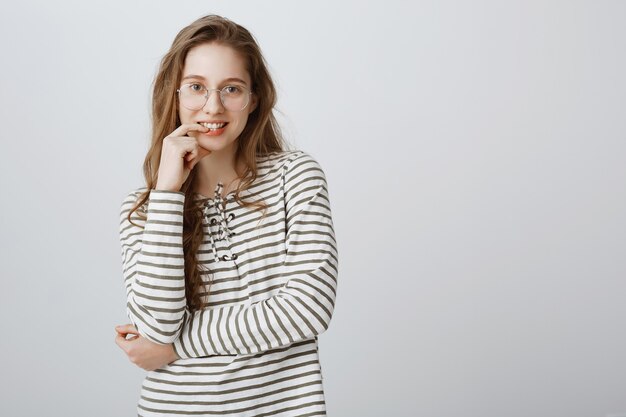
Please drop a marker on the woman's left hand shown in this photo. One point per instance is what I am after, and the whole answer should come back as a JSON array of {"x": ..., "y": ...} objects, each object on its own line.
[{"x": 143, "y": 352}]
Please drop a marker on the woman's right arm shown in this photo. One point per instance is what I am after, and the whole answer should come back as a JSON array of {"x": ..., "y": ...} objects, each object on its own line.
[
  {"x": 153, "y": 265},
  {"x": 152, "y": 252}
]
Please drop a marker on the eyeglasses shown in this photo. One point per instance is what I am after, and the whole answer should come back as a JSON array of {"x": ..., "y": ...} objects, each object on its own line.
[{"x": 194, "y": 96}]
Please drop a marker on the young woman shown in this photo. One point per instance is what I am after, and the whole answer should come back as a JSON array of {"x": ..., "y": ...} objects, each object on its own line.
[{"x": 229, "y": 253}]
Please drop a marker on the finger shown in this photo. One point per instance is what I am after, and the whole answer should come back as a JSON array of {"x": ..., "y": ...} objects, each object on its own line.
[
  {"x": 201, "y": 153},
  {"x": 121, "y": 328},
  {"x": 183, "y": 129},
  {"x": 191, "y": 154},
  {"x": 121, "y": 342},
  {"x": 127, "y": 328},
  {"x": 124, "y": 335}
]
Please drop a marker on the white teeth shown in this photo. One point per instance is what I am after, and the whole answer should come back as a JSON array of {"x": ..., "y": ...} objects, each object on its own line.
[{"x": 213, "y": 125}]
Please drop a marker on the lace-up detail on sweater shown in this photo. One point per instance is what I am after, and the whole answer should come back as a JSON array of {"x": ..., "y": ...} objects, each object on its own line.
[{"x": 222, "y": 222}]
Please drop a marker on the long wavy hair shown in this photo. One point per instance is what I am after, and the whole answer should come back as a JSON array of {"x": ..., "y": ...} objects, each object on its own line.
[{"x": 261, "y": 135}]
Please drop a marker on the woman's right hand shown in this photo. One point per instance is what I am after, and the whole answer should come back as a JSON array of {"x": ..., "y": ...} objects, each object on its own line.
[{"x": 179, "y": 155}]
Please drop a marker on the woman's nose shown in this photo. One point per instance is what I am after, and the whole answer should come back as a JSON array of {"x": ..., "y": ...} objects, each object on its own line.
[{"x": 214, "y": 102}]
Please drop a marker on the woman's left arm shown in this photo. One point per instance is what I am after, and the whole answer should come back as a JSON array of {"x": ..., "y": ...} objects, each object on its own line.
[{"x": 304, "y": 305}]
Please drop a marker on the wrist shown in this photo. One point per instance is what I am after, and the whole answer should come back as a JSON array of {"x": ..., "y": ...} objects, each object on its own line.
[
  {"x": 159, "y": 187},
  {"x": 174, "y": 355}
]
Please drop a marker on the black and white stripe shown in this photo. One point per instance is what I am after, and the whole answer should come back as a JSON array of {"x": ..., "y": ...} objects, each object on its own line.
[{"x": 253, "y": 351}]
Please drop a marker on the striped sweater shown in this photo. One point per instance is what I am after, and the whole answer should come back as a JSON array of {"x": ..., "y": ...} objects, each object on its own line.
[{"x": 253, "y": 351}]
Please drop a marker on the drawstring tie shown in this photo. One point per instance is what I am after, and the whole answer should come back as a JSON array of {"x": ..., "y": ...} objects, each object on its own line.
[{"x": 222, "y": 220}]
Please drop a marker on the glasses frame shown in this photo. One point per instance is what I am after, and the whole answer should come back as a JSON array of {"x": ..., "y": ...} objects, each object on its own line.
[{"x": 208, "y": 94}]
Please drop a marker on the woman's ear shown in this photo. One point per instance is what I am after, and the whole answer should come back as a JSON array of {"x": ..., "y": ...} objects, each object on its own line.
[{"x": 253, "y": 103}]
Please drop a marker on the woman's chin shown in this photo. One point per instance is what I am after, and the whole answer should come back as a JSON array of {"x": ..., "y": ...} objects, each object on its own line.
[
  {"x": 213, "y": 147},
  {"x": 215, "y": 144}
]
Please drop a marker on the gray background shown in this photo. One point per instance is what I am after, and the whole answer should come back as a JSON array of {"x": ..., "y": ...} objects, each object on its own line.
[{"x": 475, "y": 159}]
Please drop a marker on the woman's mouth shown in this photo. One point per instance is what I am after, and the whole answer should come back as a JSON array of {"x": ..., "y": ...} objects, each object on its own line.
[{"x": 215, "y": 129}]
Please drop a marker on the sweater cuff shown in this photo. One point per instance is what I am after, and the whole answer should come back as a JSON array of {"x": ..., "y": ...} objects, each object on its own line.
[
  {"x": 178, "y": 196},
  {"x": 178, "y": 348}
]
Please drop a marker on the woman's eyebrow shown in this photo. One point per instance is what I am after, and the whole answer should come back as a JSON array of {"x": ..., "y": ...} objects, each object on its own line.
[{"x": 200, "y": 77}]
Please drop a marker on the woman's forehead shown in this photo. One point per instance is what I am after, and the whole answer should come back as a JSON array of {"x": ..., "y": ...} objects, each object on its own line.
[{"x": 214, "y": 63}]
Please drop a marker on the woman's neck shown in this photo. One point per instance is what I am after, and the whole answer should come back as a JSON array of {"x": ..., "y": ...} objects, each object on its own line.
[{"x": 218, "y": 167}]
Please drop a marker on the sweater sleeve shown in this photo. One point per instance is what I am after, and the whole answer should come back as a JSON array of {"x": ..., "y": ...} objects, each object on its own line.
[
  {"x": 153, "y": 265},
  {"x": 303, "y": 306}
]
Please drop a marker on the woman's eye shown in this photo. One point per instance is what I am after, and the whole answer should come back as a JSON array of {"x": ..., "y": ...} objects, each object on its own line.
[
  {"x": 231, "y": 89},
  {"x": 196, "y": 87}
]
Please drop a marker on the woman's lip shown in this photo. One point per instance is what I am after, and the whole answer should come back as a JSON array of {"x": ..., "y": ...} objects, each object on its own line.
[{"x": 216, "y": 132}]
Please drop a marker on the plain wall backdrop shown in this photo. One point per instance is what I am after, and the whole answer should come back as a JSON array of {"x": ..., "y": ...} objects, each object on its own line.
[{"x": 474, "y": 153}]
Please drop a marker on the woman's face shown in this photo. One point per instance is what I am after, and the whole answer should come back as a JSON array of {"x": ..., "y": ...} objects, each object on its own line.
[{"x": 215, "y": 66}]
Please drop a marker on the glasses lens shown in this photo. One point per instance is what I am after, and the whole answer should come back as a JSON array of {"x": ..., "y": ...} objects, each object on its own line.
[
  {"x": 234, "y": 98},
  {"x": 192, "y": 96}
]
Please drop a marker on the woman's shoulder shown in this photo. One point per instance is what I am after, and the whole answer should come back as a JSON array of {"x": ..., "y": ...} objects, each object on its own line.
[
  {"x": 275, "y": 158},
  {"x": 134, "y": 193},
  {"x": 131, "y": 197},
  {"x": 287, "y": 159}
]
